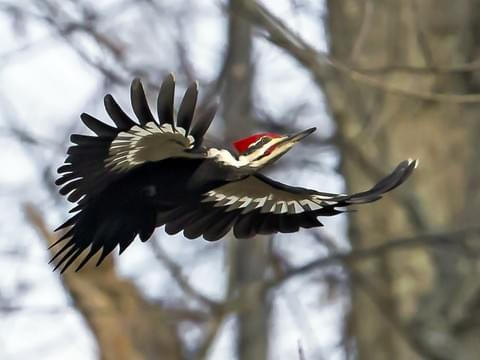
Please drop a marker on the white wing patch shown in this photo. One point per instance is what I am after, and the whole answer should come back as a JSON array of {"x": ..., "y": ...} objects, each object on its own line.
[
  {"x": 225, "y": 157},
  {"x": 125, "y": 147},
  {"x": 231, "y": 202}
]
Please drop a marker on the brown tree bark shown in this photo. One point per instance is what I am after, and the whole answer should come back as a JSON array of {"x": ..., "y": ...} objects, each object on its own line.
[{"x": 415, "y": 304}]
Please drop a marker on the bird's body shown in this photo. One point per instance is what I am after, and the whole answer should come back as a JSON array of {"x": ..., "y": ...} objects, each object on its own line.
[{"x": 134, "y": 177}]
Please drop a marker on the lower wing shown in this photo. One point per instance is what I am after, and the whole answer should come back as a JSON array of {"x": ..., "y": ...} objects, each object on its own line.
[{"x": 259, "y": 205}]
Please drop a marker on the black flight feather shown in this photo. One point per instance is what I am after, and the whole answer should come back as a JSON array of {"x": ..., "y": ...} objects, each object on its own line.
[
  {"x": 202, "y": 123},
  {"x": 97, "y": 126},
  {"x": 122, "y": 120},
  {"x": 187, "y": 107},
  {"x": 165, "y": 100},
  {"x": 220, "y": 227},
  {"x": 139, "y": 103}
]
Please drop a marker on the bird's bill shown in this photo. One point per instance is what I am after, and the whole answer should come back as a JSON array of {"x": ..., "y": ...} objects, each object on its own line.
[
  {"x": 285, "y": 143},
  {"x": 295, "y": 138}
]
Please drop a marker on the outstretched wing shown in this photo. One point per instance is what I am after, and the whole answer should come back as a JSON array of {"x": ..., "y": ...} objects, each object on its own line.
[
  {"x": 95, "y": 161},
  {"x": 108, "y": 213},
  {"x": 259, "y": 205}
]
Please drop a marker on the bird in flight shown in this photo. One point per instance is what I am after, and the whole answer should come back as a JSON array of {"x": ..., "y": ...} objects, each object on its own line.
[{"x": 130, "y": 178}]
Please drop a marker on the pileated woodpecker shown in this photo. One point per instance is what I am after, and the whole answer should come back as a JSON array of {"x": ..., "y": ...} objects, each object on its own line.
[{"x": 133, "y": 177}]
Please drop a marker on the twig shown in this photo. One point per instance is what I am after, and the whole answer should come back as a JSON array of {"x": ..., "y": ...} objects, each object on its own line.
[
  {"x": 176, "y": 273},
  {"x": 301, "y": 354},
  {"x": 211, "y": 334}
]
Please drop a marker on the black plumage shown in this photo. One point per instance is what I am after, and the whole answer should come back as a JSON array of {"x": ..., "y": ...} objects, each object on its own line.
[
  {"x": 187, "y": 107},
  {"x": 130, "y": 178},
  {"x": 140, "y": 104},
  {"x": 165, "y": 100}
]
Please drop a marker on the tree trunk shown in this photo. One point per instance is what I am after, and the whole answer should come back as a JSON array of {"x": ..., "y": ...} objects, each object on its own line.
[
  {"x": 249, "y": 257},
  {"x": 416, "y": 303}
]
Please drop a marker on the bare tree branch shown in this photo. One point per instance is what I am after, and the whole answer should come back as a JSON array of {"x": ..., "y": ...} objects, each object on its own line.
[{"x": 320, "y": 64}]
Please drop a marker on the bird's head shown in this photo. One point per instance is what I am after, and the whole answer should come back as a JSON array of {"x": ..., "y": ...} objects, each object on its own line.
[{"x": 263, "y": 148}]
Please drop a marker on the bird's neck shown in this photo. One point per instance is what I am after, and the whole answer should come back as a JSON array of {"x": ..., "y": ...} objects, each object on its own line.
[{"x": 226, "y": 158}]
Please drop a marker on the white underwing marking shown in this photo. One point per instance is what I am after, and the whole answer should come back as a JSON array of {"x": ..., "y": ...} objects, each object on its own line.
[
  {"x": 152, "y": 127},
  {"x": 323, "y": 197},
  {"x": 323, "y": 200},
  {"x": 210, "y": 196},
  {"x": 260, "y": 202},
  {"x": 297, "y": 209},
  {"x": 124, "y": 135},
  {"x": 120, "y": 147},
  {"x": 231, "y": 199},
  {"x": 272, "y": 209},
  {"x": 220, "y": 197},
  {"x": 124, "y": 148},
  {"x": 140, "y": 131},
  {"x": 310, "y": 204},
  {"x": 120, "y": 158},
  {"x": 122, "y": 142},
  {"x": 167, "y": 128},
  {"x": 245, "y": 202},
  {"x": 284, "y": 207},
  {"x": 279, "y": 204},
  {"x": 233, "y": 205},
  {"x": 316, "y": 201}
]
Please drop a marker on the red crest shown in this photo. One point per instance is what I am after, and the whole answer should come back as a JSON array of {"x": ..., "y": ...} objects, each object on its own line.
[{"x": 242, "y": 145}]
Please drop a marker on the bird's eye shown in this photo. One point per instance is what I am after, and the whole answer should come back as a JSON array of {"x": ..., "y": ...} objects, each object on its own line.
[
  {"x": 263, "y": 140},
  {"x": 257, "y": 144}
]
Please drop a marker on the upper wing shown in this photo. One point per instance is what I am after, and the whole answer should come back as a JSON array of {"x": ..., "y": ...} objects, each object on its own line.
[
  {"x": 259, "y": 205},
  {"x": 95, "y": 161}
]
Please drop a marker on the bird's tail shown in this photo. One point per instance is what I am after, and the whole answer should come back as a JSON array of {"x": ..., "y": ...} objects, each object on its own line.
[{"x": 388, "y": 183}]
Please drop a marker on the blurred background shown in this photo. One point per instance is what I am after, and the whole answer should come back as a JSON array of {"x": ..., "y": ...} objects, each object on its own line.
[{"x": 382, "y": 80}]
